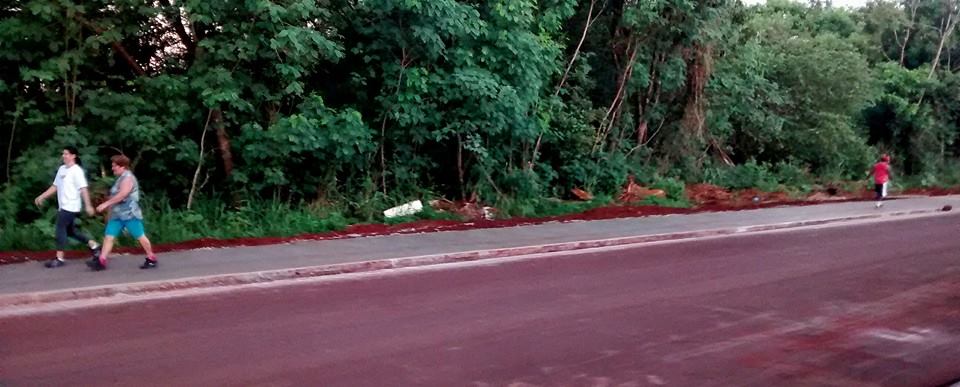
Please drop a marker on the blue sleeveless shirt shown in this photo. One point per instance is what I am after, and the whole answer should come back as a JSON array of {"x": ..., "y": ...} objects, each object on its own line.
[{"x": 129, "y": 207}]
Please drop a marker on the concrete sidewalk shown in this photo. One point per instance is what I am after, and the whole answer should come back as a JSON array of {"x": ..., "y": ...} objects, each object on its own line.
[{"x": 31, "y": 283}]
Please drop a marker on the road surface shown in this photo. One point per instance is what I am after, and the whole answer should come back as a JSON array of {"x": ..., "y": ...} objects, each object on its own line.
[{"x": 872, "y": 304}]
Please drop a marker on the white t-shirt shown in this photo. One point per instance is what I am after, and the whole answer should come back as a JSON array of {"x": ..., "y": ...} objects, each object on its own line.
[{"x": 69, "y": 181}]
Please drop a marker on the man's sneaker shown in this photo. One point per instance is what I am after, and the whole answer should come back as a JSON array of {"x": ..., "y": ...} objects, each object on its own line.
[
  {"x": 96, "y": 264},
  {"x": 95, "y": 252},
  {"x": 54, "y": 263},
  {"x": 148, "y": 264}
]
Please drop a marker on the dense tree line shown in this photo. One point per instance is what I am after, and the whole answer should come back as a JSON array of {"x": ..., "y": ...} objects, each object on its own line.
[{"x": 347, "y": 101}]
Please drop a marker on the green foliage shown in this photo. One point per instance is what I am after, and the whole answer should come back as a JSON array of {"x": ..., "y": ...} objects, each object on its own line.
[
  {"x": 209, "y": 219},
  {"x": 745, "y": 102},
  {"x": 604, "y": 174},
  {"x": 264, "y": 107},
  {"x": 531, "y": 208},
  {"x": 675, "y": 188},
  {"x": 748, "y": 175},
  {"x": 766, "y": 177},
  {"x": 794, "y": 88},
  {"x": 314, "y": 135},
  {"x": 32, "y": 236},
  {"x": 949, "y": 176},
  {"x": 792, "y": 174}
]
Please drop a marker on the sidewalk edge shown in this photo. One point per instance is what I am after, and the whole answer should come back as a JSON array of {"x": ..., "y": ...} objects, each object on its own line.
[{"x": 235, "y": 279}]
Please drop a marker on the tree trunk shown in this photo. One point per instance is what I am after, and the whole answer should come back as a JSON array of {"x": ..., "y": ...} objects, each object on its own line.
[
  {"x": 699, "y": 66},
  {"x": 13, "y": 132},
  {"x": 405, "y": 61},
  {"x": 196, "y": 173},
  {"x": 909, "y": 32},
  {"x": 613, "y": 112},
  {"x": 460, "y": 171},
  {"x": 698, "y": 72},
  {"x": 576, "y": 52},
  {"x": 226, "y": 156},
  {"x": 117, "y": 47},
  {"x": 566, "y": 73},
  {"x": 643, "y": 101},
  {"x": 946, "y": 29},
  {"x": 176, "y": 15}
]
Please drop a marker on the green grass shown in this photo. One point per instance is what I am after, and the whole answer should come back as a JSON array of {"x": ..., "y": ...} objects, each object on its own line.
[
  {"x": 665, "y": 202},
  {"x": 209, "y": 219},
  {"x": 538, "y": 208},
  {"x": 33, "y": 236}
]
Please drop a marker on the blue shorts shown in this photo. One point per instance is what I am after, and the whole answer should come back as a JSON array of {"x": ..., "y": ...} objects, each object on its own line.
[{"x": 134, "y": 226}]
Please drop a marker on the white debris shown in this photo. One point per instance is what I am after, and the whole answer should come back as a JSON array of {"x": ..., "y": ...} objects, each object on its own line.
[{"x": 404, "y": 209}]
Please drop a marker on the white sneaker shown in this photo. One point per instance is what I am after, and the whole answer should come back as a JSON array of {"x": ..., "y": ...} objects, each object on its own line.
[{"x": 879, "y": 204}]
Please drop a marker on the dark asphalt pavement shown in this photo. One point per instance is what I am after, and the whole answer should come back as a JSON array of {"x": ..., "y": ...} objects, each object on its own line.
[{"x": 875, "y": 304}]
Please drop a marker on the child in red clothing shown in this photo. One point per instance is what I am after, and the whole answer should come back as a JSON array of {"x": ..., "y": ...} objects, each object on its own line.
[{"x": 881, "y": 177}]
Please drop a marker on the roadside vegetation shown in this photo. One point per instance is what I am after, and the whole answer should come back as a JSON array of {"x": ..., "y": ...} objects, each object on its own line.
[{"x": 285, "y": 117}]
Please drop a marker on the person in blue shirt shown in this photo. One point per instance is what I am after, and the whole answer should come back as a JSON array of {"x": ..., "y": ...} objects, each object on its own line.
[{"x": 125, "y": 213}]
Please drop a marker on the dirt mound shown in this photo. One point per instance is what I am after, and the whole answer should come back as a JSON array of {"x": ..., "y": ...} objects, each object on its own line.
[
  {"x": 779, "y": 197},
  {"x": 635, "y": 193},
  {"x": 464, "y": 209},
  {"x": 707, "y": 194},
  {"x": 753, "y": 197}
]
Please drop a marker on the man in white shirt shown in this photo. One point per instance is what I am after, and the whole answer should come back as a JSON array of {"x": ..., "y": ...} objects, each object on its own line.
[{"x": 70, "y": 185}]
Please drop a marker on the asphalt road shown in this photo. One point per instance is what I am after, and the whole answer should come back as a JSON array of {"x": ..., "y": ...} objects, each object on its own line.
[{"x": 875, "y": 304}]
